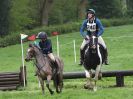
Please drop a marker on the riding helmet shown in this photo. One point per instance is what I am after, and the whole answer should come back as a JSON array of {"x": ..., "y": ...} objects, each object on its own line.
[
  {"x": 42, "y": 35},
  {"x": 92, "y": 11}
]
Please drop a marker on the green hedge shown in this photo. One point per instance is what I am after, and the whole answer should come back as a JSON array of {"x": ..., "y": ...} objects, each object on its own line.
[
  {"x": 117, "y": 22},
  {"x": 14, "y": 38}
]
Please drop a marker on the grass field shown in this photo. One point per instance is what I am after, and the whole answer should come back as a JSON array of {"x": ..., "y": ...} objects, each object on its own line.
[{"x": 119, "y": 42}]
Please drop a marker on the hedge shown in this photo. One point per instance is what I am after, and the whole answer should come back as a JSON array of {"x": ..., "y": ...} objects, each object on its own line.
[{"x": 14, "y": 38}]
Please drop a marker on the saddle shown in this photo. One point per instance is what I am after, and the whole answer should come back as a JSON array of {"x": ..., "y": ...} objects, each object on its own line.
[{"x": 54, "y": 64}]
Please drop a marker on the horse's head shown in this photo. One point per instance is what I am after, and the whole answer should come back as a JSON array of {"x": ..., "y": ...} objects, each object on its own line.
[
  {"x": 93, "y": 43},
  {"x": 30, "y": 53}
]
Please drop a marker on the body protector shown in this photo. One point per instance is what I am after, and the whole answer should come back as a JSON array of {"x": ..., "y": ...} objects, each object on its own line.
[{"x": 91, "y": 26}]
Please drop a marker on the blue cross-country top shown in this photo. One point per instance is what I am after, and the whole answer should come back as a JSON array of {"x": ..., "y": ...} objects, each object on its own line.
[
  {"x": 89, "y": 27},
  {"x": 46, "y": 46}
]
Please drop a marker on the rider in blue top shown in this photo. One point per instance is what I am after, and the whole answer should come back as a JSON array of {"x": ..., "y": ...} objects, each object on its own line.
[
  {"x": 45, "y": 45},
  {"x": 99, "y": 28},
  {"x": 91, "y": 25}
]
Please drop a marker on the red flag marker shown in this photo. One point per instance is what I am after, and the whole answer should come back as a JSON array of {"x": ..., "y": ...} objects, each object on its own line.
[
  {"x": 32, "y": 37},
  {"x": 55, "y": 33}
]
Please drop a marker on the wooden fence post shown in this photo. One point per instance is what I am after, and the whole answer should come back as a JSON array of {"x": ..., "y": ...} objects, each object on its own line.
[{"x": 21, "y": 76}]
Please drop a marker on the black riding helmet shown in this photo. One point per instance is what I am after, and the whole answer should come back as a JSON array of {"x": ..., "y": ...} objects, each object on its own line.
[{"x": 42, "y": 35}]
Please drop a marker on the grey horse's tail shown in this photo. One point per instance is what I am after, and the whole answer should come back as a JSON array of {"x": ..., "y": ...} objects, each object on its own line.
[{"x": 58, "y": 77}]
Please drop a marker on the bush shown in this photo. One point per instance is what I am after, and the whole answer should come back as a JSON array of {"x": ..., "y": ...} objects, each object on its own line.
[
  {"x": 117, "y": 22},
  {"x": 14, "y": 38}
]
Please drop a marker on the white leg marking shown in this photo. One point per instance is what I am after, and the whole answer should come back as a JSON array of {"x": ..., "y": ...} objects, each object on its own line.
[
  {"x": 87, "y": 49},
  {"x": 99, "y": 54},
  {"x": 87, "y": 74},
  {"x": 98, "y": 66}
]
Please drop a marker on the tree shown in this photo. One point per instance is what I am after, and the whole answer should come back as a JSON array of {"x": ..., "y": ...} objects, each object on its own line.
[
  {"x": 130, "y": 7},
  {"x": 106, "y": 8},
  {"x": 82, "y": 8},
  {"x": 124, "y": 6},
  {"x": 4, "y": 16},
  {"x": 44, "y": 9},
  {"x": 19, "y": 15},
  {"x": 63, "y": 11}
]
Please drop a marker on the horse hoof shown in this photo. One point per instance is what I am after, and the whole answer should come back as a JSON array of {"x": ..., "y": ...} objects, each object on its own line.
[
  {"x": 85, "y": 86},
  {"x": 58, "y": 92}
]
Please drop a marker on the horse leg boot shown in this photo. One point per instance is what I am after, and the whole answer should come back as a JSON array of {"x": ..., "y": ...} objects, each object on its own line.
[
  {"x": 81, "y": 57},
  {"x": 88, "y": 76},
  {"x": 106, "y": 57}
]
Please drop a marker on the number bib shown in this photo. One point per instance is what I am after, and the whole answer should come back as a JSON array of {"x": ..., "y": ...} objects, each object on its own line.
[{"x": 91, "y": 26}]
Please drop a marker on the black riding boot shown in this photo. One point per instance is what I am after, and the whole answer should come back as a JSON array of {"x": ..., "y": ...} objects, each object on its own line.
[
  {"x": 106, "y": 57},
  {"x": 81, "y": 57}
]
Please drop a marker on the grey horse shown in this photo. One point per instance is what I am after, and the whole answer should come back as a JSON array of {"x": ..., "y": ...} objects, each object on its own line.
[{"x": 45, "y": 69}]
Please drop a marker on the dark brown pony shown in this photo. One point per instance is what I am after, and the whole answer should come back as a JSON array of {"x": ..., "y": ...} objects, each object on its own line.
[{"x": 44, "y": 68}]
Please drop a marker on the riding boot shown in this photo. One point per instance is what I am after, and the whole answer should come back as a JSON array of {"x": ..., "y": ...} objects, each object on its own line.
[
  {"x": 81, "y": 57},
  {"x": 106, "y": 57}
]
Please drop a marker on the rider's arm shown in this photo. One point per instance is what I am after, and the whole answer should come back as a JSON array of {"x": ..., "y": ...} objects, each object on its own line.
[
  {"x": 36, "y": 43},
  {"x": 100, "y": 27},
  {"x": 48, "y": 47},
  {"x": 82, "y": 28}
]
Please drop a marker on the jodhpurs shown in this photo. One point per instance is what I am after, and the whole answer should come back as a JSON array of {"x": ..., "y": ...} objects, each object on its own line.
[
  {"x": 100, "y": 40},
  {"x": 51, "y": 56}
]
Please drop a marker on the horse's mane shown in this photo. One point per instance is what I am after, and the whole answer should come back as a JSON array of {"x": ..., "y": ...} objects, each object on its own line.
[{"x": 45, "y": 57}]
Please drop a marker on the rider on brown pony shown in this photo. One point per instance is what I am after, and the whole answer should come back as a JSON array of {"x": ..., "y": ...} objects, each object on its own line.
[{"x": 45, "y": 45}]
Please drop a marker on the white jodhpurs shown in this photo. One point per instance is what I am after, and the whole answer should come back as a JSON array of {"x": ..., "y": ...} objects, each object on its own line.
[
  {"x": 51, "y": 56},
  {"x": 100, "y": 40}
]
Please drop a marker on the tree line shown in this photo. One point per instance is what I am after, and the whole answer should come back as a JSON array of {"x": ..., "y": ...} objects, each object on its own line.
[{"x": 16, "y": 15}]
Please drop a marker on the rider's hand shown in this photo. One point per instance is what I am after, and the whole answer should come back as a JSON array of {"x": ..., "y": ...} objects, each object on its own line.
[
  {"x": 48, "y": 52},
  {"x": 87, "y": 37}
]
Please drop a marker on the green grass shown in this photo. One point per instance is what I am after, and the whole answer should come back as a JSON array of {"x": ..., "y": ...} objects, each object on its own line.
[{"x": 119, "y": 42}]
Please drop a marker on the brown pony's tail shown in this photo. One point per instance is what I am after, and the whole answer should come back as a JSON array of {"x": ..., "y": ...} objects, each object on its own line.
[
  {"x": 58, "y": 82},
  {"x": 58, "y": 77}
]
